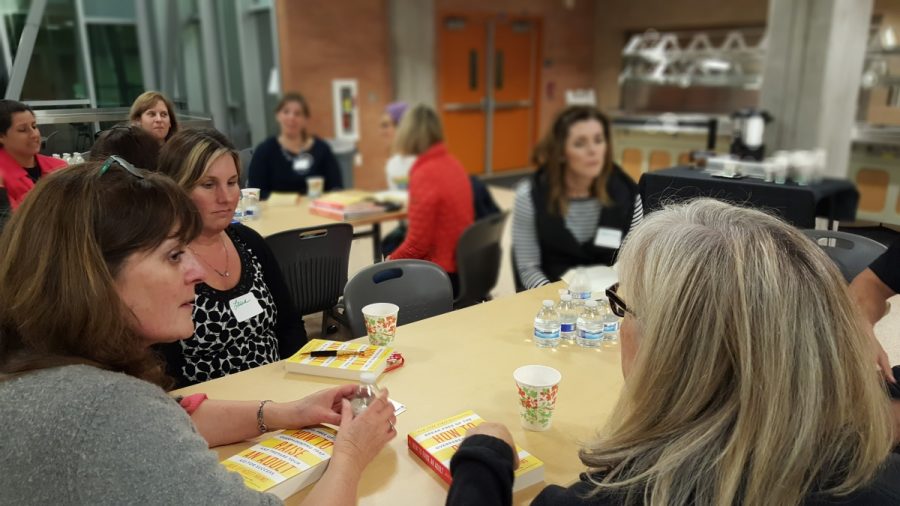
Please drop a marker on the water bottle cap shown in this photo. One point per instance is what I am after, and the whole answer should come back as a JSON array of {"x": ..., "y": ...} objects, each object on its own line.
[
  {"x": 548, "y": 303},
  {"x": 368, "y": 378},
  {"x": 563, "y": 291},
  {"x": 565, "y": 297},
  {"x": 590, "y": 303}
]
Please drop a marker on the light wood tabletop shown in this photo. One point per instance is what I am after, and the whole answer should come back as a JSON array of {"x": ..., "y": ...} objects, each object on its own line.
[
  {"x": 290, "y": 213},
  {"x": 455, "y": 362}
]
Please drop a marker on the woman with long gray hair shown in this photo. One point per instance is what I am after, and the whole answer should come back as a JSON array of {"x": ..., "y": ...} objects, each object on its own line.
[{"x": 748, "y": 378}]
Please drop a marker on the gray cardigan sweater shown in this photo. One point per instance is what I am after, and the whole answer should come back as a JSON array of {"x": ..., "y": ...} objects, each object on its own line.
[{"x": 81, "y": 435}]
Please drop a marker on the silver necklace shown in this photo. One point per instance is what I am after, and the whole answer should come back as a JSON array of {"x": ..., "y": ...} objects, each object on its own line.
[{"x": 225, "y": 274}]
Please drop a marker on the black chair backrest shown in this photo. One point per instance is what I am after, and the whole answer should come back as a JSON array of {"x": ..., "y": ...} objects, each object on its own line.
[
  {"x": 421, "y": 289},
  {"x": 314, "y": 262},
  {"x": 478, "y": 256},
  {"x": 852, "y": 253}
]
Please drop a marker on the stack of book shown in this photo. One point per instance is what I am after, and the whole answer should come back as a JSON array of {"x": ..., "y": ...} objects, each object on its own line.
[
  {"x": 346, "y": 205},
  {"x": 335, "y": 359}
]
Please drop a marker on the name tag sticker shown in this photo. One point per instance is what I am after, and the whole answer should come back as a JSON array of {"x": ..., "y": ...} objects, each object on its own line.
[
  {"x": 302, "y": 163},
  {"x": 245, "y": 307},
  {"x": 608, "y": 238}
]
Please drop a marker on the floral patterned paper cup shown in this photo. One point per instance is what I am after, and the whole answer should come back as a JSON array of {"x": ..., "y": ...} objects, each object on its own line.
[
  {"x": 537, "y": 386},
  {"x": 381, "y": 322}
]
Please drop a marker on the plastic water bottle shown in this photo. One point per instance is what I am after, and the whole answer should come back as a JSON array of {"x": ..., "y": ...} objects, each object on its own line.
[
  {"x": 589, "y": 326},
  {"x": 238, "y": 211},
  {"x": 562, "y": 291},
  {"x": 580, "y": 287},
  {"x": 568, "y": 316},
  {"x": 77, "y": 158},
  {"x": 546, "y": 326},
  {"x": 365, "y": 393},
  {"x": 67, "y": 157},
  {"x": 610, "y": 322}
]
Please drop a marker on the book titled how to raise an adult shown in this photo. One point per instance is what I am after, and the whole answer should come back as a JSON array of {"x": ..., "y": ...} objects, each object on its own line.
[
  {"x": 285, "y": 463},
  {"x": 361, "y": 358},
  {"x": 436, "y": 443}
]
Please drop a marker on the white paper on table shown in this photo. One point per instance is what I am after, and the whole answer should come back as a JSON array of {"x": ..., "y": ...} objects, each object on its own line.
[
  {"x": 398, "y": 408},
  {"x": 601, "y": 276}
]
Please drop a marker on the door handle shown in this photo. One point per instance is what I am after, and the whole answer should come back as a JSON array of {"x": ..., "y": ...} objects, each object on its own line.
[
  {"x": 463, "y": 106},
  {"x": 515, "y": 104}
]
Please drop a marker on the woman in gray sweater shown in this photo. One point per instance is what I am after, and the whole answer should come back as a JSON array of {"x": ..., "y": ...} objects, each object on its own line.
[{"x": 94, "y": 270}]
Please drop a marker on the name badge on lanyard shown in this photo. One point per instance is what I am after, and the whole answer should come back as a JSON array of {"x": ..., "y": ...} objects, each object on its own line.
[
  {"x": 244, "y": 307},
  {"x": 302, "y": 163},
  {"x": 608, "y": 238}
]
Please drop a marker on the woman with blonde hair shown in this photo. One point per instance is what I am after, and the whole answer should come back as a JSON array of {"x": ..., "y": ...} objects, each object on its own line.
[
  {"x": 155, "y": 113},
  {"x": 440, "y": 195},
  {"x": 243, "y": 271},
  {"x": 748, "y": 377},
  {"x": 93, "y": 272}
]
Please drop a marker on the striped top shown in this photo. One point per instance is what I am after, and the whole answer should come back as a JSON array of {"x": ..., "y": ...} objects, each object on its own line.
[{"x": 581, "y": 220}]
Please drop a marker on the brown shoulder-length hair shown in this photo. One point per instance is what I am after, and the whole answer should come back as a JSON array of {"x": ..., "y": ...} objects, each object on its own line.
[
  {"x": 550, "y": 154},
  {"x": 186, "y": 157},
  {"x": 419, "y": 129},
  {"x": 293, "y": 96},
  {"x": 148, "y": 99},
  {"x": 131, "y": 142},
  {"x": 59, "y": 257}
]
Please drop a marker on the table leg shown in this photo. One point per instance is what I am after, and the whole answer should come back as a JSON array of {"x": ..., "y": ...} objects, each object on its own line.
[{"x": 376, "y": 242}]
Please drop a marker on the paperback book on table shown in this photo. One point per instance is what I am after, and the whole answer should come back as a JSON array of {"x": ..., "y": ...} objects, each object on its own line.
[
  {"x": 342, "y": 200},
  {"x": 372, "y": 359},
  {"x": 285, "y": 463},
  {"x": 436, "y": 443}
]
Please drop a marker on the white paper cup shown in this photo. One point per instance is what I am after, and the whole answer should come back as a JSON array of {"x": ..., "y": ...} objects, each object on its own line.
[
  {"x": 537, "y": 386},
  {"x": 381, "y": 322},
  {"x": 314, "y": 186}
]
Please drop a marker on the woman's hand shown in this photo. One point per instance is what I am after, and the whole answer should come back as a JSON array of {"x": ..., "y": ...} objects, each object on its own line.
[
  {"x": 499, "y": 431},
  {"x": 360, "y": 439},
  {"x": 324, "y": 406}
]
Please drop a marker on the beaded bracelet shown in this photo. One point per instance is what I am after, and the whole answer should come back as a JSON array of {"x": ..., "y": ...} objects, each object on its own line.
[{"x": 261, "y": 425}]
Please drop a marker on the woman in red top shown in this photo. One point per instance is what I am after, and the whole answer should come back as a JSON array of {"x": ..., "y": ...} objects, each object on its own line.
[
  {"x": 440, "y": 195},
  {"x": 20, "y": 141}
]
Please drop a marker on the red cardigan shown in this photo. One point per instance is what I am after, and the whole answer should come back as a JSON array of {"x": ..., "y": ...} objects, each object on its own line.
[
  {"x": 16, "y": 180},
  {"x": 440, "y": 208}
]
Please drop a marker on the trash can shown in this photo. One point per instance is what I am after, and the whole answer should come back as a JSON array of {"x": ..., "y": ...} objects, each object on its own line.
[{"x": 345, "y": 151}]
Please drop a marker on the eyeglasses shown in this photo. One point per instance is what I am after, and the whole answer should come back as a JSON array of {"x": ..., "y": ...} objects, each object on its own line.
[
  {"x": 616, "y": 304},
  {"x": 121, "y": 162}
]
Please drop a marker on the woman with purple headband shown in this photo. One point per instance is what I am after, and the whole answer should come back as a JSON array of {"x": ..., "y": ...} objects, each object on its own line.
[{"x": 398, "y": 165}]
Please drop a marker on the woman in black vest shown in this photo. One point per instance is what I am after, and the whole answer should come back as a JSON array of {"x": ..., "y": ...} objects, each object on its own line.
[{"x": 578, "y": 206}]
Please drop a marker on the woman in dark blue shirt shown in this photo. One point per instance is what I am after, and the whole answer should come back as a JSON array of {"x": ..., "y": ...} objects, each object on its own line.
[{"x": 283, "y": 163}]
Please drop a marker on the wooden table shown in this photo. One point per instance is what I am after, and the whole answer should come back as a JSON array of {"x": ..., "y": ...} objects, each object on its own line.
[
  {"x": 454, "y": 362},
  {"x": 276, "y": 218}
]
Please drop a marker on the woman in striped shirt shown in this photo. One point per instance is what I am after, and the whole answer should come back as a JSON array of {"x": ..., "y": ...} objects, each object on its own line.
[{"x": 578, "y": 206}]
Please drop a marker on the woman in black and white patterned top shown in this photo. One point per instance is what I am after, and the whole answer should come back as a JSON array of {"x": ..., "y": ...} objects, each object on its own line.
[
  {"x": 243, "y": 314},
  {"x": 579, "y": 205}
]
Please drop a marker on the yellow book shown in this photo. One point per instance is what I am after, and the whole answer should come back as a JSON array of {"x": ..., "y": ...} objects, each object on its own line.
[
  {"x": 371, "y": 358},
  {"x": 436, "y": 443},
  {"x": 285, "y": 463}
]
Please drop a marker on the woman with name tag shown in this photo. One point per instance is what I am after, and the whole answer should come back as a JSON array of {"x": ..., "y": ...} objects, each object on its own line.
[
  {"x": 577, "y": 207},
  {"x": 283, "y": 163},
  {"x": 244, "y": 316},
  {"x": 94, "y": 270},
  {"x": 748, "y": 379}
]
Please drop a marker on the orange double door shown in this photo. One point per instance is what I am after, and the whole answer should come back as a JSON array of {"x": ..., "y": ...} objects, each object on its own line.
[{"x": 488, "y": 71}]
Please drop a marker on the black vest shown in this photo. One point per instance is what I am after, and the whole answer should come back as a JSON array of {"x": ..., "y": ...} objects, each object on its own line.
[{"x": 560, "y": 251}]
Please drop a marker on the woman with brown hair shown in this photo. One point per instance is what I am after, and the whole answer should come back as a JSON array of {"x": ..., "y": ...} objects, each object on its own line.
[
  {"x": 748, "y": 378},
  {"x": 155, "y": 113},
  {"x": 284, "y": 162},
  {"x": 243, "y": 271},
  {"x": 577, "y": 207},
  {"x": 94, "y": 270}
]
